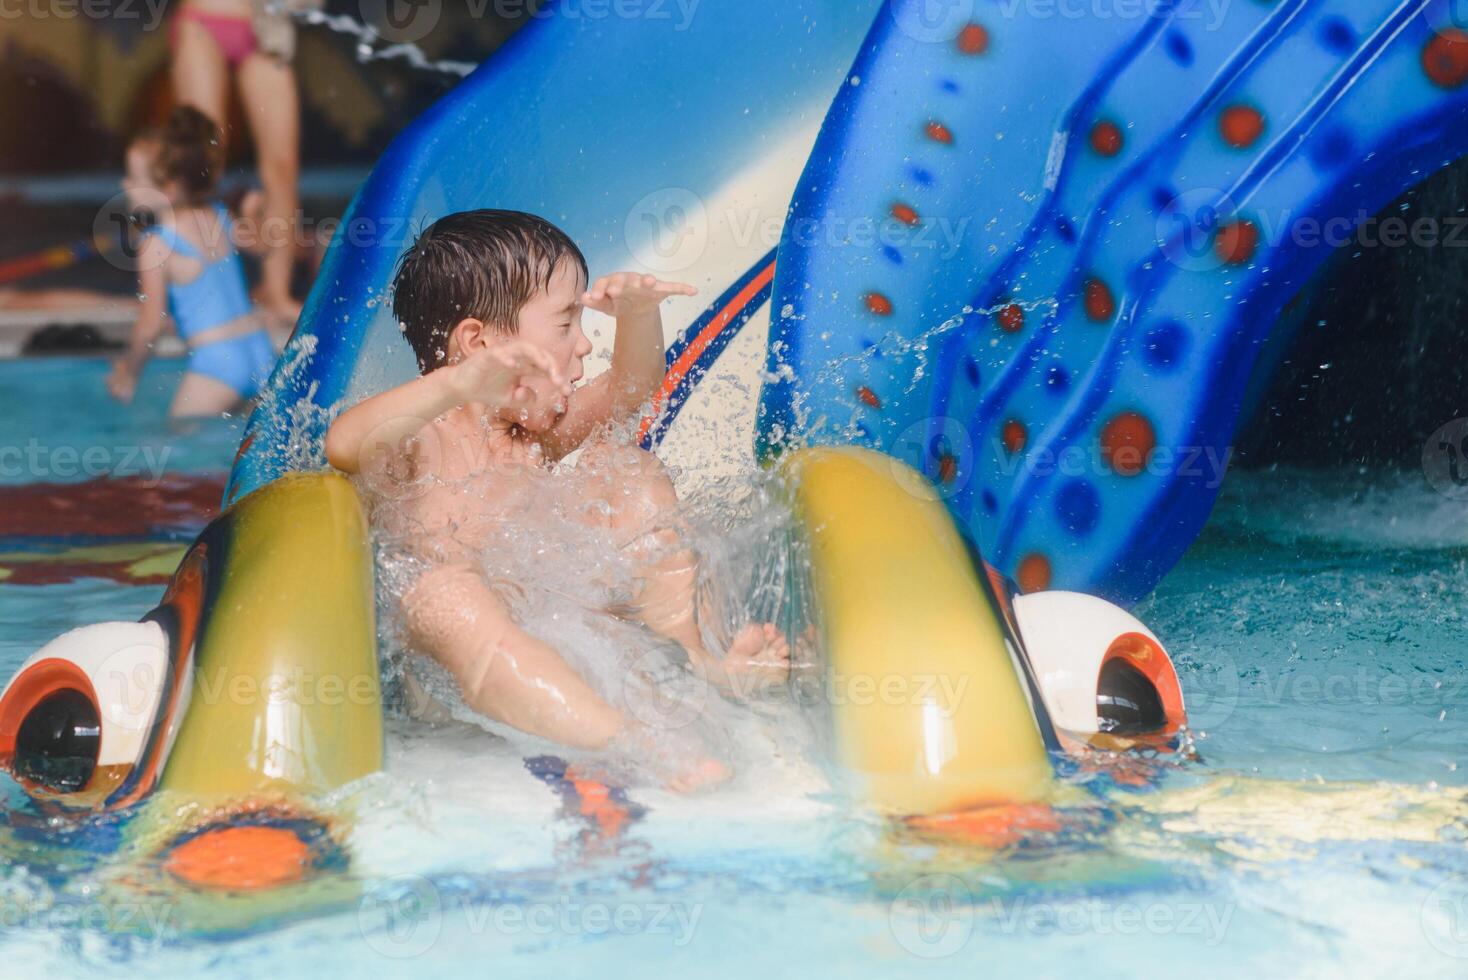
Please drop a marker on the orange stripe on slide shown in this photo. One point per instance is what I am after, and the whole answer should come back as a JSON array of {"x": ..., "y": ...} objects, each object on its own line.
[
  {"x": 598, "y": 805},
  {"x": 240, "y": 859},
  {"x": 699, "y": 344}
]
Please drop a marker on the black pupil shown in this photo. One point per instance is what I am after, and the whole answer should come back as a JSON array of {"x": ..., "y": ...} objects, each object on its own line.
[
  {"x": 1126, "y": 702},
  {"x": 58, "y": 742}
]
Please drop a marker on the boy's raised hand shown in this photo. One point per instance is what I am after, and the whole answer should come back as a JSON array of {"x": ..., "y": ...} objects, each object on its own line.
[
  {"x": 623, "y": 293},
  {"x": 498, "y": 374}
]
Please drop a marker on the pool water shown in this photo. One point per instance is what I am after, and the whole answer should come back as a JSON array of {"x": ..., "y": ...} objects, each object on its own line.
[{"x": 1318, "y": 629}]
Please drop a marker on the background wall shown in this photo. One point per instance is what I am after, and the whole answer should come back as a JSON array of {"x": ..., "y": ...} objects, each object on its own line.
[{"x": 75, "y": 86}]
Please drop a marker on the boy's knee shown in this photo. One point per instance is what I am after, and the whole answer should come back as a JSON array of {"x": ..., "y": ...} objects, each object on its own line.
[{"x": 639, "y": 486}]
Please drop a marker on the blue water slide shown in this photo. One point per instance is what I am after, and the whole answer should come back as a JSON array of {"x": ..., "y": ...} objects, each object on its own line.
[
  {"x": 612, "y": 121},
  {"x": 1086, "y": 226},
  {"x": 1036, "y": 249}
]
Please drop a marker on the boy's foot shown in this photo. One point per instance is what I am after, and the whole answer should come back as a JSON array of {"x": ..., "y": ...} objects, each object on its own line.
[
  {"x": 757, "y": 660},
  {"x": 701, "y": 775}
]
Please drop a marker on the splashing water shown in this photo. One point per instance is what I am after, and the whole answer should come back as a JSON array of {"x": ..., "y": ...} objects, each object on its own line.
[
  {"x": 556, "y": 544},
  {"x": 371, "y": 46},
  {"x": 891, "y": 352}
]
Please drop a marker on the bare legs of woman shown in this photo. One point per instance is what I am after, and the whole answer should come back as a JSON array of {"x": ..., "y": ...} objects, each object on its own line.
[
  {"x": 272, "y": 107},
  {"x": 200, "y": 72},
  {"x": 268, "y": 89}
]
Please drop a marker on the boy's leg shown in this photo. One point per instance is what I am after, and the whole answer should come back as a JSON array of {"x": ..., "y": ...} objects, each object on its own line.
[
  {"x": 504, "y": 673},
  {"x": 641, "y": 498}
]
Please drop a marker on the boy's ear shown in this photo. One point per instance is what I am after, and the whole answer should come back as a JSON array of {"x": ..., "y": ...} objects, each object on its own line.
[{"x": 468, "y": 336}]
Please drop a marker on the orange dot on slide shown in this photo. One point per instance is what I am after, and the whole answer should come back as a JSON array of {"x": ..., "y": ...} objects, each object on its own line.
[
  {"x": 1106, "y": 138},
  {"x": 939, "y": 133},
  {"x": 1034, "y": 573},
  {"x": 1100, "y": 304},
  {"x": 868, "y": 397},
  {"x": 240, "y": 858},
  {"x": 1011, "y": 319},
  {"x": 1445, "y": 58},
  {"x": 1236, "y": 242},
  {"x": 905, "y": 214},
  {"x": 1015, "y": 436},
  {"x": 973, "y": 39},
  {"x": 878, "y": 304},
  {"x": 1241, "y": 125},
  {"x": 1127, "y": 442}
]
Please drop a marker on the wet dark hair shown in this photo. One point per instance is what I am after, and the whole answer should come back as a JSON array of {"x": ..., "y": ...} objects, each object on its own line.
[
  {"x": 483, "y": 264},
  {"x": 189, "y": 153}
]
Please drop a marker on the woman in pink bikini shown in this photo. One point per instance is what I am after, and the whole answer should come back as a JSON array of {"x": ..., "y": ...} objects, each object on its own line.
[{"x": 214, "y": 39}]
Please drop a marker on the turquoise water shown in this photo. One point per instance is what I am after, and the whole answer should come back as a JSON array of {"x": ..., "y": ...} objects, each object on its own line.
[{"x": 1318, "y": 628}]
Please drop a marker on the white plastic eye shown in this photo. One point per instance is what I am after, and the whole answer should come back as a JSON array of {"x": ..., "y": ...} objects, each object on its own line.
[
  {"x": 1099, "y": 669},
  {"x": 84, "y": 711}
]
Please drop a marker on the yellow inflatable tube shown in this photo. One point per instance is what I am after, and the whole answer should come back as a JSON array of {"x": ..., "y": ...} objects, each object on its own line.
[
  {"x": 248, "y": 691},
  {"x": 948, "y": 724},
  {"x": 285, "y": 679}
]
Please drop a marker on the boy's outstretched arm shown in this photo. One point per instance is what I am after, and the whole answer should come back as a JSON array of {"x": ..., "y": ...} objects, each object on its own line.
[
  {"x": 379, "y": 428},
  {"x": 639, "y": 359}
]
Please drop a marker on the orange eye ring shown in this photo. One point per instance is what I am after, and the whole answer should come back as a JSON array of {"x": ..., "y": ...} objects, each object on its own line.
[
  {"x": 1147, "y": 656},
  {"x": 36, "y": 684}
]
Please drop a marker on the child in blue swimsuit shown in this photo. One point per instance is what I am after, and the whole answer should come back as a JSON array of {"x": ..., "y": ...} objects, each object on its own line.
[{"x": 188, "y": 266}]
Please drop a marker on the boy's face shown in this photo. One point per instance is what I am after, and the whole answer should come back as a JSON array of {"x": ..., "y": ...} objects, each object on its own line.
[{"x": 552, "y": 322}]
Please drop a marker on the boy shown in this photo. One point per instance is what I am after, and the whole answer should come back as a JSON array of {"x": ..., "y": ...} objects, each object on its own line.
[{"x": 491, "y": 302}]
